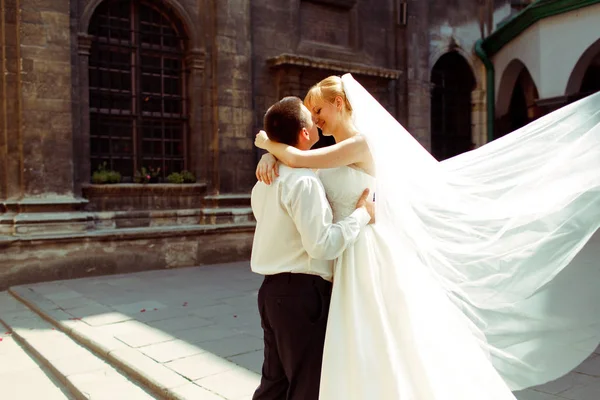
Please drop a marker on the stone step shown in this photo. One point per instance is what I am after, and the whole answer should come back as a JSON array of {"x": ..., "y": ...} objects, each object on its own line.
[
  {"x": 227, "y": 200},
  {"x": 227, "y": 215},
  {"x": 86, "y": 375},
  {"x": 167, "y": 218},
  {"x": 115, "y": 337},
  {"x": 22, "y": 376},
  {"x": 121, "y": 250}
]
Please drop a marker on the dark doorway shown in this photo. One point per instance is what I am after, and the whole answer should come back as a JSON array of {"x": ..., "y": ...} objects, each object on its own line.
[
  {"x": 523, "y": 108},
  {"x": 452, "y": 83},
  {"x": 591, "y": 79}
]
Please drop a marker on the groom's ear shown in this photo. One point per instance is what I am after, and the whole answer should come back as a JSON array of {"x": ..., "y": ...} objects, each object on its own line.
[{"x": 304, "y": 134}]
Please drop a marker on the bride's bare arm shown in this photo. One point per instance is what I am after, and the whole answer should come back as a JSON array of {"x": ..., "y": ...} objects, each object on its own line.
[{"x": 350, "y": 151}]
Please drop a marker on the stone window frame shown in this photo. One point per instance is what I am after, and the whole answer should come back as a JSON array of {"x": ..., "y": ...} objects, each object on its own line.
[
  {"x": 196, "y": 61},
  {"x": 130, "y": 97}
]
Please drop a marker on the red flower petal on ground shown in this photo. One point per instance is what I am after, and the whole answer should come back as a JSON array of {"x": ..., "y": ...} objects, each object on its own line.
[
  {"x": 143, "y": 310},
  {"x": 185, "y": 304},
  {"x": 0, "y": 339},
  {"x": 156, "y": 309},
  {"x": 235, "y": 316}
]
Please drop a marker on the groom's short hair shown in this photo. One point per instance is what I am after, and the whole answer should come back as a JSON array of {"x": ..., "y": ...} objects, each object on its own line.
[{"x": 284, "y": 120}]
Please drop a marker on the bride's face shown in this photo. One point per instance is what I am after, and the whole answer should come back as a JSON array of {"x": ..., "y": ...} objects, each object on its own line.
[{"x": 325, "y": 115}]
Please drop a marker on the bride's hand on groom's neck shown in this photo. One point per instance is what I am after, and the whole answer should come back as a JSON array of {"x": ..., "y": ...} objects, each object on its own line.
[
  {"x": 369, "y": 206},
  {"x": 267, "y": 169}
]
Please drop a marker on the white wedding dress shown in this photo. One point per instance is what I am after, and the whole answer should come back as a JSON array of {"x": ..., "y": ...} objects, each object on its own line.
[
  {"x": 378, "y": 343},
  {"x": 480, "y": 275}
]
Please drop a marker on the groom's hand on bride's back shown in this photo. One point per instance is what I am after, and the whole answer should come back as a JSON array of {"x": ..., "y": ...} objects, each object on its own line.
[{"x": 369, "y": 206}]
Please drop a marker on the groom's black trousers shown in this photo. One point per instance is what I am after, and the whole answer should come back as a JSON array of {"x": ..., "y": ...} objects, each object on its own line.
[{"x": 293, "y": 312}]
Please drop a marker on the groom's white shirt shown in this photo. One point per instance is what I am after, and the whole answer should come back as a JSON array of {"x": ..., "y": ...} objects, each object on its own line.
[{"x": 294, "y": 226}]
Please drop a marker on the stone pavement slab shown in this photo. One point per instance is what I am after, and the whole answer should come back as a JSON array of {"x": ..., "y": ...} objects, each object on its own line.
[
  {"x": 84, "y": 374},
  {"x": 170, "y": 330},
  {"x": 21, "y": 376},
  {"x": 194, "y": 333}
]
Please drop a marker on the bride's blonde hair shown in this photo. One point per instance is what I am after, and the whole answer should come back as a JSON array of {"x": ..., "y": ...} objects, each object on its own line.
[{"x": 328, "y": 89}]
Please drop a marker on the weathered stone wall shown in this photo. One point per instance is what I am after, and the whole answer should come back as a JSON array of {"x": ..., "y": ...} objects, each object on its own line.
[
  {"x": 45, "y": 140},
  {"x": 456, "y": 25},
  {"x": 357, "y": 32},
  {"x": 417, "y": 71},
  {"x": 10, "y": 130},
  {"x": 46, "y": 98},
  {"x": 233, "y": 69},
  {"x": 36, "y": 144},
  {"x": 230, "y": 83},
  {"x": 28, "y": 261},
  {"x": 232, "y": 79}
]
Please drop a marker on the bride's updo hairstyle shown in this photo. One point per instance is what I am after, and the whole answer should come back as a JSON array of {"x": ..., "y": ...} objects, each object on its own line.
[{"x": 327, "y": 90}]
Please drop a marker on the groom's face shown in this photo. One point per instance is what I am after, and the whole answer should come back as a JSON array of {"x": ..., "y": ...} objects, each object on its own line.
[{"x": 311, "y": 127}]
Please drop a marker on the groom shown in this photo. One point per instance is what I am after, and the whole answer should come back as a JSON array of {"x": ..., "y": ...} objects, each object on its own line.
[{"x": 294, "y": 245}]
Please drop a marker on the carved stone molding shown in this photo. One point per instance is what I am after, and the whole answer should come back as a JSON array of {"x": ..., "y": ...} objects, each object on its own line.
[
  {"x": 196, "y": 60},
  {"x": 338, "y": 3},
  {"x": 283, "y": 60},
  {"x": 84, "y": 44}
]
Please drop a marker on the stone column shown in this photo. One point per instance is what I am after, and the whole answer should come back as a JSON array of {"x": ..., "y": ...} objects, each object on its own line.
[
  {"x": 199, "y": 100},
  {"x": 479, "y": 117},
  {"x": 81, "y": 146},
  {"x": 236, "y": 160},
  {"x": 11, "y": 154},
  {"x": 46, "y": 100},
  {"x": 37, "y": 184},
  {"x": 417, "y": 62}
]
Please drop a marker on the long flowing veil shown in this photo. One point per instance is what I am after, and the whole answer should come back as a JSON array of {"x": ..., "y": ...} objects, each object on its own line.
[{"x": 507, "y": 230}]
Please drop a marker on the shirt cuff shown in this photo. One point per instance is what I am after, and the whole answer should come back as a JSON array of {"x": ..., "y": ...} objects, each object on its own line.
[{"x": 362, "y": 216}]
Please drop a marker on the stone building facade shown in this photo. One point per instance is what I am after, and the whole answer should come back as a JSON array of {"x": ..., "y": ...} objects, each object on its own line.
[{"x": 171, "y": 85}]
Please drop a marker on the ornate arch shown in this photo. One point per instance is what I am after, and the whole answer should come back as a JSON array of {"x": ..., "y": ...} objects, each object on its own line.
[
  {"x": 508, "y": 80},
  {"x": 196, "y": 60},
  {"x": 172, "y": 5},
  {"x": 576, "y": 77},
  {"x": 452, "y": 46},
  {"x": 517, "y": 101}
]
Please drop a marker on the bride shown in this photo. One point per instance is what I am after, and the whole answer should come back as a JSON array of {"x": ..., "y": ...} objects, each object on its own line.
[{"x": 476, "y": 279}]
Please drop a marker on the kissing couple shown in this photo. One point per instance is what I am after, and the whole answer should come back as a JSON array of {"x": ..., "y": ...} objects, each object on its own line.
[{"x": 445, "y": 295}]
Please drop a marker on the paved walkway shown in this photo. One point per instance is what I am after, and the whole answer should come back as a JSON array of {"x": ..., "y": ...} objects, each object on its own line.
[
  {"x": 190, "y": 333},
  {"x": 21, "y": 376},
  {"x": 195, "y": 333}
]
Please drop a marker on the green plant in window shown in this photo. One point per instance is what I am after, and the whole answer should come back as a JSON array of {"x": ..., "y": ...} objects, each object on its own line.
[
  {"x": 188, "y": 177},
  {"x": 103, "y": 175},
  {"x": 147, "y": 175},
  {"x": 175, "y": 177}
]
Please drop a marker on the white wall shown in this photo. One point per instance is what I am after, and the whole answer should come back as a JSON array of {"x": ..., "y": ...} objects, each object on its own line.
[{"x": 550, "y": 50}]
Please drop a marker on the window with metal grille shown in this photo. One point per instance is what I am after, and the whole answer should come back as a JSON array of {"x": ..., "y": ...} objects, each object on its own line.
[{"x": 138, "y": 115}]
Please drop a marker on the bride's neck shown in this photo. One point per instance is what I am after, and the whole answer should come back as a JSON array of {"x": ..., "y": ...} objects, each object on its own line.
[{"x": 345, "y": 130}]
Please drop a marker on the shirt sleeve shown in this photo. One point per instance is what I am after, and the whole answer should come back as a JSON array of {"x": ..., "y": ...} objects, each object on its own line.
[{"x": 307, "y": 204}]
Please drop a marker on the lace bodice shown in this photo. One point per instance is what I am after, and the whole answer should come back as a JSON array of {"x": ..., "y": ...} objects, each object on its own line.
[{"x": 343, "y": 186}]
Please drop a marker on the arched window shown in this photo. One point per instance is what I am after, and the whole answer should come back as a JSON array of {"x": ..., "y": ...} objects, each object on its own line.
[{"x": 138, "y": 112}]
